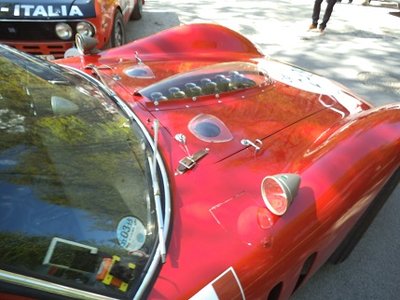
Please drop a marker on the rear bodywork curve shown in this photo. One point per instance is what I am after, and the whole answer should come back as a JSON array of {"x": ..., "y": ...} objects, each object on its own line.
[{"x": 341, "y": 171}]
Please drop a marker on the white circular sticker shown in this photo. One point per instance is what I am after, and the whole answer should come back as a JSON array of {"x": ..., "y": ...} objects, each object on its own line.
[{"x": 131, "y": 233}]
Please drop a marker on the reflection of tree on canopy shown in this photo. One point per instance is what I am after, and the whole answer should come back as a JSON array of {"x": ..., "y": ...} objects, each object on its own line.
[
  {"x": 71, "y": 160},
  {"x": 88, "y": 156},
  {"x": 13, "y": 105}
]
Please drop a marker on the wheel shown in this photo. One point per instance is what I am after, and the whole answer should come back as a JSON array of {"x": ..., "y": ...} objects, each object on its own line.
[
  {"x": 137, "y": 11},
  {"x": 355, "y": 234},
  {"x": 118, "y": 33}
]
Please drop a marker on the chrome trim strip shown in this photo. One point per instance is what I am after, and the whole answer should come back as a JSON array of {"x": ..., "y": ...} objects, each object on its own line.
[{"x": 49, "y": 287}]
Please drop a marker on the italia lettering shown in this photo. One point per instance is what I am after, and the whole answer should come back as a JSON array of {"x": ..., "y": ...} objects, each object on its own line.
[
  {"x": 52, "y": 13},
  {"x": 75, "y": 11},
  {"x": 16, "y": 11},
  {"x": 40, "y": 12},
  {"x": 25, "y": 10}
]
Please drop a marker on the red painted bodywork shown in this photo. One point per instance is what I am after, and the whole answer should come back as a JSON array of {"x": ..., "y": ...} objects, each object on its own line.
[
  {"x": 344, "y": 150},
  {"x": 103, "y": 22}
]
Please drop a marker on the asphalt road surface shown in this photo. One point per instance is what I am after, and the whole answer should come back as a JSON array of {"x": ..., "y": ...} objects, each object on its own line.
[{"x": 360, "y": 49}]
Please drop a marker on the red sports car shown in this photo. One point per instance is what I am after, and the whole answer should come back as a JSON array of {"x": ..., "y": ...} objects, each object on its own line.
[
  {"x": 182, "y": 170},
  {"x": 48, "y": 27}
]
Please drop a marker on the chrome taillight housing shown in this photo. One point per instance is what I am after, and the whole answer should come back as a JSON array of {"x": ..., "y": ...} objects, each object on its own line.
[{"x": 278, "y": 192}]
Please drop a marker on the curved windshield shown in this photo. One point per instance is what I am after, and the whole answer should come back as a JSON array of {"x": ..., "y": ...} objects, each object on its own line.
[{"x": 76, "y": 204}]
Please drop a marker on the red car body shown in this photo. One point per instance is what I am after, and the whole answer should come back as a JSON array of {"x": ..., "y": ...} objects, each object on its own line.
[
  {"x": 222, "y": 240},
  {"x": 29, "y": 26}
]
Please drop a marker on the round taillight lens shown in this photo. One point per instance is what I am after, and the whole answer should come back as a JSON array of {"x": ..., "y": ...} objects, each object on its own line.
[{"x": 274, "y": 195}]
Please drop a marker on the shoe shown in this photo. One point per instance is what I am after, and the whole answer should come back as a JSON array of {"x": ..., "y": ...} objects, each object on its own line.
[
  {"x": 321, "y": 29},
  {"x": 312, "y": 26}
]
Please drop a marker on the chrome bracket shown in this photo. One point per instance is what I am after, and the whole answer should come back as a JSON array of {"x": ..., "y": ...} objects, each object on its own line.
[
  {"x": 257, "y": 144},
  {"x": 138, "y": 59}
]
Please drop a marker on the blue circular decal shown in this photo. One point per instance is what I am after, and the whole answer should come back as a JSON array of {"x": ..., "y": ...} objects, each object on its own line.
[{"x": 131, "y": 233}]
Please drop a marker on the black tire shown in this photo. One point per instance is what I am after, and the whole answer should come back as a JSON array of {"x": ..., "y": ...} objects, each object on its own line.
[
  {"x": 355, "y": 234},
  {"x": 137, "y": 11},
  {"x": 118, "y": 33}
]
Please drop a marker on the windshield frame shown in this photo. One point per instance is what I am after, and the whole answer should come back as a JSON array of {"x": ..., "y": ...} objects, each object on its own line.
[{"x": 69, "y": 291}]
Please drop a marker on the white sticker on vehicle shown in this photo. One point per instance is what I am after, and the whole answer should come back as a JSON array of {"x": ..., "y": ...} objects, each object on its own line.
[
  {"x": 225, "y": 286},
  {"x": 131, "y": 233}
]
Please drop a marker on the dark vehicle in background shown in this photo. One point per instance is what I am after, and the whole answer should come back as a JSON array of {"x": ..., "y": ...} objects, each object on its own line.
[{"x": 48, "y": 27}]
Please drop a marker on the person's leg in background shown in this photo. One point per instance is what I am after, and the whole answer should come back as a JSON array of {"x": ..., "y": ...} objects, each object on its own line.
[
  {"x": 316, "y": 13},
  {"x": 327, "y": 14}
]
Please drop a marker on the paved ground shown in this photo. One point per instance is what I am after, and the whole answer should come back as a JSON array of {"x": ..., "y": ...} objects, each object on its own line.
[{"x": 360, "y": 50}]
